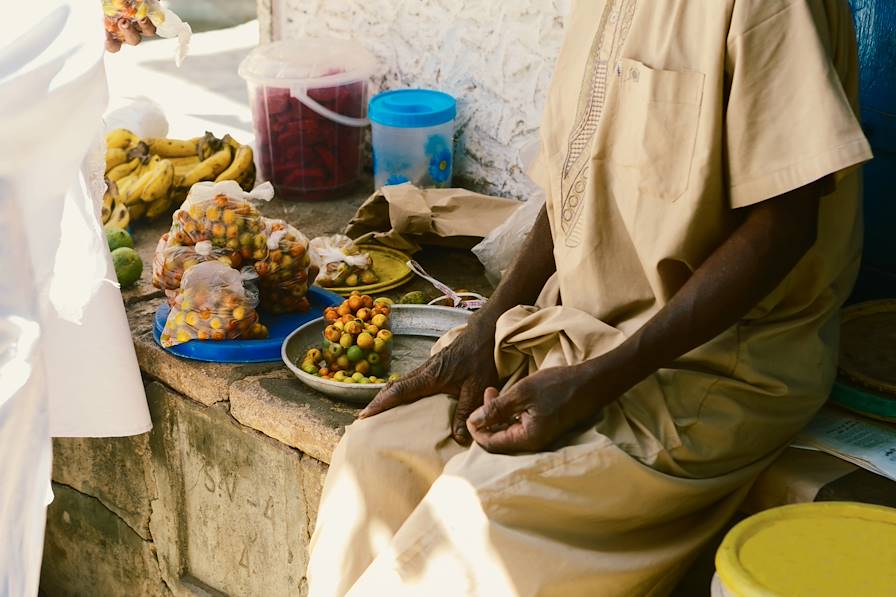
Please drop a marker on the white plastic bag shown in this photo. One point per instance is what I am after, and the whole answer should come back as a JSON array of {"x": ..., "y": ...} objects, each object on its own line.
[
  {"x": 497, "y": 250},
  {"x": 339, "y": 259},
  {"x": 141, "y": 115}
]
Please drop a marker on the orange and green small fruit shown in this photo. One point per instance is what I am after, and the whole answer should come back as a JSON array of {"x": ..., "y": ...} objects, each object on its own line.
[
  {"x": 382, "y": 300},
  {"x": 330, "y": 314},
  {"x": 339, "y": 325},
  {"x": 379, "y": 320},
  {"x": 309, "y": 368},
  {"x": 335, "y": 350},
  {"x": 354, "y": 293},
  {"x": 367, "y": 300},
  {"x": 384, "y": 335},
  {"x": 368, "y": 277},
  {"x": 355, "y": 302},
  {"x": 348, "y": 380},
  {"x": 344, "y": 309},
  {"x": 332, "y": 333},
  {"x": 354, "y": 353},
  {"x": 324, "y": 372},
  {"x": 363, "y": 314},
  {"x": 365, "y": 341},
  {"x": 394, "y": 377},
  {"x": 346, "y": 340},
  {"x": 363, "y": 381},
  {"x": 378, "y": 345},
  {"x": 352, "y": 280},
  {"x": 362, "y": 367},
  {"x": 339, "y": 376},
  {"x": 342, "y": 362},
  {"x": 354, "y": 328},
  {"x": 314, "y": 355},
  {"x": 415, "y": 297},
  {"x": 357, "y": 376},
  {"x": 373, "y": 358}
]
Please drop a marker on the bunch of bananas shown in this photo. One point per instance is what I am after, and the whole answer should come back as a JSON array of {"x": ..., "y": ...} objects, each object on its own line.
[{"x": 146, "y": 178}]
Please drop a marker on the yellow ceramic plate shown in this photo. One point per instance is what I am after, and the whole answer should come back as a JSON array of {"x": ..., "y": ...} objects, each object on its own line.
[{"x": 389, "y": 265}]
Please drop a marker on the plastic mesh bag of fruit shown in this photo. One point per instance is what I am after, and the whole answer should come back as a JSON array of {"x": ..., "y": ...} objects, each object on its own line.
[
  {"x": 215, "y": 302},
  {"x": 171, "y": 260},
  {"x": 341, "y": 262},
  {"x": 283, "y": 271},
  {"x": 222, "y": 213},
  {"x": 166, "y": 22}
]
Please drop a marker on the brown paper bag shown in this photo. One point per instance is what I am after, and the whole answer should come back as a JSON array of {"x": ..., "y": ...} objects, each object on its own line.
[{"x": 404, "y": 217}]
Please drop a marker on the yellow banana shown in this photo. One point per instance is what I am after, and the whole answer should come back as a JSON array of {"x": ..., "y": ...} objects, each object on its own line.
[
  {"x": 159, "y": 186},
  {"x": 115, "y": 156},
  {"x": 108, "y": 201},
  {"x": 158, "y": 207},
  {"x": 137, "y": 210},
  {"x": 172, "y": 148},
  {"x": 234, "y": 144},
  {"x": 191, "y": 160},
  {"x": 121, "y": 139},
  {"x": 242, "y": 161},
  {"x": 120, "y": 171},
  {"x": 135, "y": 189},
  {"x": 120, "y": 217},
  {"x": 208, "y": 169}
]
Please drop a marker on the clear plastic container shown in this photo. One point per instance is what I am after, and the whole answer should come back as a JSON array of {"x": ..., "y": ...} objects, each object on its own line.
[
  {"x": 309, "y": 102},
  {"x": 413, "y": 137}
]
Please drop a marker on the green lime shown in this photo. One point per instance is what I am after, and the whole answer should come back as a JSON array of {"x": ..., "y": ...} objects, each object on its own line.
[
  {"x": 128, "y": 266},
  {"x": 117, "y": 237},
  {"x": 354, "y": 353}
]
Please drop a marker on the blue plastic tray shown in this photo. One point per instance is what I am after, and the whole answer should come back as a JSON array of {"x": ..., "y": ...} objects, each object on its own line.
[{"x": 249, "y": 351}]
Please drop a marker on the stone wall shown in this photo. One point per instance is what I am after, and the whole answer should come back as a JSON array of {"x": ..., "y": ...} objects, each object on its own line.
[{"x": 495, "y": 57}]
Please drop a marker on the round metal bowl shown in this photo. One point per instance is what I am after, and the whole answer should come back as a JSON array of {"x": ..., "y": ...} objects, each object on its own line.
[{"x": 415, "y": 328}]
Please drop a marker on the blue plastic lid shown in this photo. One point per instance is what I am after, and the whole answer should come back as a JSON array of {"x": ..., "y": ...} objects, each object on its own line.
[{"x": 412, "y": 108}]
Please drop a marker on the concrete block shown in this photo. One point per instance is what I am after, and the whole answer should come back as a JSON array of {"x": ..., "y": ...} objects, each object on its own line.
[
  {"x": 116, "y": 471},
  {"x": 287, "y": 410},
  {"x": 90, "y": 551},
  {"x": 231, "y": 514}
]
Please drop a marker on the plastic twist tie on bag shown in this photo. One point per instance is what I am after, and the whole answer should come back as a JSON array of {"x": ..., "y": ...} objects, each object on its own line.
[
  {"x": 206, "y": 191},
  {"x": 457, "y": 300}
]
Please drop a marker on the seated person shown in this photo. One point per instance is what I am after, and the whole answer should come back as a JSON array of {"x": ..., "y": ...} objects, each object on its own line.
[{"x": 702, "y": 230}]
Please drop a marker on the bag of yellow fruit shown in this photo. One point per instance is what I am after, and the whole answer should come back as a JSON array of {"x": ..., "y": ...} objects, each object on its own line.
[
  {"x": 222, "y": 213},
  {"x": 215, "y": 302},
  {"x": 283, "y": 271},
  {"x": 171, "y": 261},
  {"x": 341, "y": 262}
]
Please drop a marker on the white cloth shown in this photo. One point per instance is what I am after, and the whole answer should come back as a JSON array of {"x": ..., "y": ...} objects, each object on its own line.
[{"x": 67, "y": 363}]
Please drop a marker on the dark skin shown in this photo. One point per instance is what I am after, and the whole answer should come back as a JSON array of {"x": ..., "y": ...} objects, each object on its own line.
[
  {"x": 131, "y": 32},
  {"x": 540, "y": 409}
]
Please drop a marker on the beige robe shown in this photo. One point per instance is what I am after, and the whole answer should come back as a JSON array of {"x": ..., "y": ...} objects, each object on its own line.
[{"x": 664, "y": 117}]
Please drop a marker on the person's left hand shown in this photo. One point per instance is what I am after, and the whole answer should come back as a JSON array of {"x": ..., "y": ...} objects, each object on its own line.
[
  {"x": 536, "y": 411},
  {"x": 130, "y": 32}
]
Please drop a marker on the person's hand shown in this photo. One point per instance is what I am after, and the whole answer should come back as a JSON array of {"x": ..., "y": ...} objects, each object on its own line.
[
  {"x": 128, "y": 31},
  {"x": 464, "y": 369},
  {"x": 536, "y": 411}
]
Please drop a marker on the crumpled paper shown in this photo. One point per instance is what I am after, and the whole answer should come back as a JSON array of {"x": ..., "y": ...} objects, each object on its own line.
[{"x": 404, "y": 217}]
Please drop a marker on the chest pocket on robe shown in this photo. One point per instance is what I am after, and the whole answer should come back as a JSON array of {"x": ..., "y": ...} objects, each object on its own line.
[{"x": 652, "y": 128}]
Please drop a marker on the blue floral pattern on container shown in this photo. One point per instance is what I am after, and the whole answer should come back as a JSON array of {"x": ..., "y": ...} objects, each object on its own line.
[
  {"x": 440, "y": 159},
  {"x": 396, "y": 179}
]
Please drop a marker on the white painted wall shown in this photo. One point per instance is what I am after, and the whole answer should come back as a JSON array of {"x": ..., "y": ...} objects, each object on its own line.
[{"x": 495, "y": 56}]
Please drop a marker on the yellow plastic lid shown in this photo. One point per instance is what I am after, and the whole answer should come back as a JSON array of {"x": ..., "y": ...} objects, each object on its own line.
[{"x": 813, "y": 550}]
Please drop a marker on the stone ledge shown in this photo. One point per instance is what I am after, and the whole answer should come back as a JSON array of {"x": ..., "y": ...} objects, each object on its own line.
[{"x": 284, "y": 409}]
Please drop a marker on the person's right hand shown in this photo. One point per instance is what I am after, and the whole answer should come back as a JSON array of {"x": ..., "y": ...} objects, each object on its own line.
[
  {"x": 464, "y": 369},
  {"x": 128, "y": 31}
]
